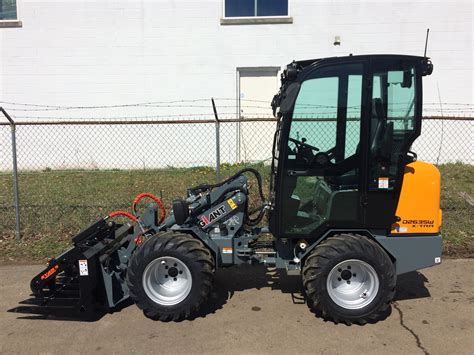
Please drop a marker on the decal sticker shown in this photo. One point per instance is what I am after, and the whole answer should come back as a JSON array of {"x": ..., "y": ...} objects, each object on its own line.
[
  {"x": 419, "y": 223},
  {"x": 233, "y": 221},
  {"x": 226, "y": 250},
  {"x": 438, "y": 260},
  {"x": 383, "y": 183},
  {"x": 402, "y": 229},
  {"x": 232, "y": 203},
  {"x": 218, "y": 212},
  {"x": 212, "y": 216},
  {"x": 50, "y": 272},
  {"x": 83, "y": 269}
]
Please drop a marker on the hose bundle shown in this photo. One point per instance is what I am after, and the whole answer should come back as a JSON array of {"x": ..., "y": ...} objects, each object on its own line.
[
  {"x": 249, "y": 221},
  {"x": 133, "y": 216}
]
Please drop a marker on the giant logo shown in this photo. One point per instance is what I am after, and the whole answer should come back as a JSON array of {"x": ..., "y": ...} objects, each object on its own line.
[{"x": 214, "y": 215}]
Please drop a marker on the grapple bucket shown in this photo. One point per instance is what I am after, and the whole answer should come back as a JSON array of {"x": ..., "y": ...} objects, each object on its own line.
[{"x": 85, "y": 279}]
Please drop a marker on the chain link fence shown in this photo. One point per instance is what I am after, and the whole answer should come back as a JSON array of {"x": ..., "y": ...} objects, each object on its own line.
[{"x": 71, "y": 171}]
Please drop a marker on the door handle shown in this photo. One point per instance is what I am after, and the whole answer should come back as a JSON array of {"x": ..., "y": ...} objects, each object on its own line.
[{"x": 297, "y": 173}]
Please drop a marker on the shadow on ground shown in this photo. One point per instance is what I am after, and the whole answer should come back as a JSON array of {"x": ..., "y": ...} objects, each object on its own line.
[
  {"x": 411, "y": 286},
  {"x": 228, "y": 281}
]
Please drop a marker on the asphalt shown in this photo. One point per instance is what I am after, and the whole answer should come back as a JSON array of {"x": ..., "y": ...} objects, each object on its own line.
[{"x": 254, "y": 310}]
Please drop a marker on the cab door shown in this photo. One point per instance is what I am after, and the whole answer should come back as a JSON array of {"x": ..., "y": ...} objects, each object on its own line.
[{"x": 319, "y": 180}]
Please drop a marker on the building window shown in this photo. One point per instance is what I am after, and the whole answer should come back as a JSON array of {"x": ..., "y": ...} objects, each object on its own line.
[
  {"x": 254, "y": 12},
  {"x": 8, "y": 10},
  {"x": 9, "y": 14},
  {"x": 250, "y": 8}
]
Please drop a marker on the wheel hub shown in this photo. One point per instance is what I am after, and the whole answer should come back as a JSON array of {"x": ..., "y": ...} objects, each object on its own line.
[
  {"x": 352, "y": 284},
  {"x": 167, "y": 281},
  {"x": 173, "y": 272},
  {"x": 346, "y": 275}
]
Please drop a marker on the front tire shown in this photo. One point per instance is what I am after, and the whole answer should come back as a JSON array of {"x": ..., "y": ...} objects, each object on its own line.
[
  {"x": 170, "y": 276},
  {"x": 349, "y": 278}
]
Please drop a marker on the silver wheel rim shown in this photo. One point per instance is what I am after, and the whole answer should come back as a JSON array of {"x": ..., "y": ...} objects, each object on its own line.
[
  {"x": 353, "y": 284},
  {"x": 167, "y": 281}
]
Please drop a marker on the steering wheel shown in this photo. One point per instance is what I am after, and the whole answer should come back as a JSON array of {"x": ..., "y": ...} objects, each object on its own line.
[
  {"x": 303, "y": 144},
  {"x": 303, "y": 151}
]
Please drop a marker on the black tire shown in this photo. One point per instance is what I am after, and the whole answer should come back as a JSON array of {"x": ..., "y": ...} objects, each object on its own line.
[
  {"x": 190, "y": 252},
  {"x": 334, "y": 251}
]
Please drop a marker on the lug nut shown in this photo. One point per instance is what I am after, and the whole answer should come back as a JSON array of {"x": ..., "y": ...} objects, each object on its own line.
[
  {"x": 339, "y": 279},
  {"x": 348, "y": 282},
  {"x": 175, "y": 279}
]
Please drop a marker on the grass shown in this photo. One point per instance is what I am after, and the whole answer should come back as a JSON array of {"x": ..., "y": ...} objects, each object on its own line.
[
  {"x": 57, "y": 204},
  {"x": 458, "y": 222}
]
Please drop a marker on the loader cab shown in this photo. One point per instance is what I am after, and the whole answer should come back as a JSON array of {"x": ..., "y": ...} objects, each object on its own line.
[{"x": 343, "y": 138}]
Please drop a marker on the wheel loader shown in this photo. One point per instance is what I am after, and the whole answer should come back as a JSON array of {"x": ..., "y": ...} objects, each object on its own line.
[{"x": 349, "y": 208}]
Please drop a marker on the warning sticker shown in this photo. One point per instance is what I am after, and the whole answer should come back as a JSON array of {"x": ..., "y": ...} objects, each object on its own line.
[
  {"x": 83, "y": 269},
  {"x": 383, "y": 183},
  {"x": 226, "y": 250},
  {"x": 232, "y": 203}
]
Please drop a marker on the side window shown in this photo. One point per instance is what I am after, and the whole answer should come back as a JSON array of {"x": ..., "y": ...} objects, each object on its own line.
[
  {"x": 326, "y": 117},
  {"x": 392, "y": 122},
  {"x": 315, "y": 112},
  {"x": 394, "y": 93},
  {"x": 401, "y": 99}
]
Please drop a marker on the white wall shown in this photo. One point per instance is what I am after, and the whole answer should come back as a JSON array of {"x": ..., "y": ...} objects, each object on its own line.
[{"x": 114, "y": 52}]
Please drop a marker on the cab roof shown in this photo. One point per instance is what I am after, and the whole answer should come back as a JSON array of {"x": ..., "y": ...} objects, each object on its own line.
[{"x": 307, "y": 62}]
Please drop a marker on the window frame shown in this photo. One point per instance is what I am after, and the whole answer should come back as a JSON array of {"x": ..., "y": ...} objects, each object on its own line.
[
  {"x": 256, "y": 20},
  {"x": 12, "y": 22}
]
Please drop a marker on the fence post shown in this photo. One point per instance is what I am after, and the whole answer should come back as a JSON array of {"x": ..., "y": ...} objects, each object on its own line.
[
  {"x": 15, "y": 175},
  {"x": 218, "y": 143}
]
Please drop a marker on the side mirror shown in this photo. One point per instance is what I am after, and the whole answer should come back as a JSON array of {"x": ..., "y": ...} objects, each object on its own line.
[
  {"x": 426, "y": 67},
  {"x": 291, "y": 73}
]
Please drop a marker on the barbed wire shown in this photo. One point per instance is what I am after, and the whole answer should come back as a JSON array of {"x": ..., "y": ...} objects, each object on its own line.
[{"x": 180, "y": 103}]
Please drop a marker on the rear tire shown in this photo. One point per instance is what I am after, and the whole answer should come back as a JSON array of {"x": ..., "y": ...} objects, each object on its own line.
[
  {"x": 349, "y": 278},
  {"x": 170, "y": 276}
]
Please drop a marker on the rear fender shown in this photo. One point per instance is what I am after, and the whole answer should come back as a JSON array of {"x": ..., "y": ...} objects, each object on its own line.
[
  {"x": 408, "y": 253},
  {"x": 329, "y": 234}
]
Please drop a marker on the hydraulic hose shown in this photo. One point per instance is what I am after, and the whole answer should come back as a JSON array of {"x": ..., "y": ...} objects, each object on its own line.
[
  {"x": 154, "y": 198},
  {"x": 250, "y": 222},
  {"x": 240, "y": 172},
  {"x": 123, "y": 213}
]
